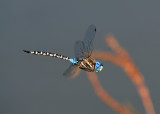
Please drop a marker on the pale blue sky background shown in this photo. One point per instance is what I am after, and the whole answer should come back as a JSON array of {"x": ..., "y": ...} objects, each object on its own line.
[{"x": 35, "y": 84}]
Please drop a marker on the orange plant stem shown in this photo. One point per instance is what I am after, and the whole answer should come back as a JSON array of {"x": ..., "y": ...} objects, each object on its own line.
[
  {"x": 122, "y": 59},
  {"x": 132, "y": 71},
  {"x": 142, "y": 90},
  {"x": 104, "y": 96}
]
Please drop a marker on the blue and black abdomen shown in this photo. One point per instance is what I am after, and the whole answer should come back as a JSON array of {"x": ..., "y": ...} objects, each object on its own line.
[{"x": 47, "y": 54}]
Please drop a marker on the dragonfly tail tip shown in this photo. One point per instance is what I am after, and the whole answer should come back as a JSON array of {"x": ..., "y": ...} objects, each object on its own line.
[{"x": 26, "y": 51}]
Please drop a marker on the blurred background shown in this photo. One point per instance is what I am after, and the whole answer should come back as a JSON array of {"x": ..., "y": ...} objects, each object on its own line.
[{"x": 35, "y": 84}]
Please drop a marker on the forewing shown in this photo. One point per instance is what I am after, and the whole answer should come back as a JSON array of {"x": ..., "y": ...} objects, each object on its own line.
[
  {"x": 88, "y": 39},
  {"x": 79, "y": 49},
  {"x": 72, "y": 71}
]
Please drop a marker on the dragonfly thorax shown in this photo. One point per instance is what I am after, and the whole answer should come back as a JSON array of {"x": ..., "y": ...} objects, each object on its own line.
[{"x": 87, "y": 64}]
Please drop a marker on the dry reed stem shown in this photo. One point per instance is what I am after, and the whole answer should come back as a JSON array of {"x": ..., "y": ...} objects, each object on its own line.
[
  {"x": 122, "y": 59},
  {"x": 104, "y": 96}
]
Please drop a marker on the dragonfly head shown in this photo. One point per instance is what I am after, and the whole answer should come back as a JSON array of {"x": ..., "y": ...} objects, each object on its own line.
[{"x": 98, "y": 66}]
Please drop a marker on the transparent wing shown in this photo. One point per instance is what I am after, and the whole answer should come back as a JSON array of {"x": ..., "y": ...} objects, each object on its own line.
[
  {"x": 72, "y": 71},
  {"x": 82, "y": 49},
  {"x": 88, "y": 39},
  {"x": 79, "y": 50}
]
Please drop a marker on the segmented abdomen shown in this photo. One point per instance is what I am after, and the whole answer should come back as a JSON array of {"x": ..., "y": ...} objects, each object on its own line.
[{"x": 47, "y": 54}]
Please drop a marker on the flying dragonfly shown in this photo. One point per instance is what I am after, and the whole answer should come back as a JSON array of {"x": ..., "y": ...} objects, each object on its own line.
[{"x": 83, "y": 50}]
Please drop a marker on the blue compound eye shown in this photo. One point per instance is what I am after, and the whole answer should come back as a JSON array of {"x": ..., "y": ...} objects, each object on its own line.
[
  {"x": 97, "y": 63},
  {"x": 98, "y": 66}
]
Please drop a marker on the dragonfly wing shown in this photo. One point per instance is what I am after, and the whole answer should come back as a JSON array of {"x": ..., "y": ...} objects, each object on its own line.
[
  {"x": 79, "y": 50},
  {"x": 88, "y": 39},
  {"x": 72, "y": 71}
]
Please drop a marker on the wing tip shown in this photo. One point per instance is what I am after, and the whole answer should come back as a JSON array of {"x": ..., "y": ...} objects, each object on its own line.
[{"x": 92, "y": 28}]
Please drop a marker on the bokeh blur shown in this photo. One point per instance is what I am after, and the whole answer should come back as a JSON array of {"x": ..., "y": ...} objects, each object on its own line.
[{"x": 35, "y": 84}]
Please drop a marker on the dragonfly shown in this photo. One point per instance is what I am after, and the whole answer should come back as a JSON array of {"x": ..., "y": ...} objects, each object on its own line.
[{"x": 82, "y": 50}]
